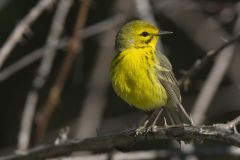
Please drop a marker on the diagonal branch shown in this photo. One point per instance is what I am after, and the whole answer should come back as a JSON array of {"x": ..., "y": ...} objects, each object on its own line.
[
  {"x": 43, "y": 72},
  {"x": 22, "y": 28},
  {"x": 198, "y": 65},
  {"x": 217, "y": 132},
  {"x": 74, "y": 46},
  {"x": 87, "y": 32}
]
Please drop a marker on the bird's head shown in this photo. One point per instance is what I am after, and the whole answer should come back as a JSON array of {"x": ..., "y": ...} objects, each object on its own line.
[{"x": 138, "y": 34}]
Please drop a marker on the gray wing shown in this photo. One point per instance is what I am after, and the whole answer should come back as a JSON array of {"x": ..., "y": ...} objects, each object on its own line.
[
  {"x": 168, "y": 80},
  {"x": 175, "y": 110}
]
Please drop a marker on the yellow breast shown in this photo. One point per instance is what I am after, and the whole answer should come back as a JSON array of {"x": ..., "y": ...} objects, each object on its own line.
[{"x": 134, "y": 79}]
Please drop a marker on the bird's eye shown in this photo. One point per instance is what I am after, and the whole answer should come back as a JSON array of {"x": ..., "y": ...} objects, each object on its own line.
[{"x": 144, "y": 34}]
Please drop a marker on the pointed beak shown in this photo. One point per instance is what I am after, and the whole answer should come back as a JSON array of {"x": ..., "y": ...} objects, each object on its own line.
[{"x": 163, "y": 32}]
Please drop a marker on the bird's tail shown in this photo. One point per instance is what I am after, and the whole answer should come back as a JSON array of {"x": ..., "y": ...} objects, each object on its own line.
[{"x": 177, "y": 115}]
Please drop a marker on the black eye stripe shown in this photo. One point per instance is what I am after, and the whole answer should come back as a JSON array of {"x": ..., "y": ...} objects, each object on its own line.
[{"x": 144, "y": 34}]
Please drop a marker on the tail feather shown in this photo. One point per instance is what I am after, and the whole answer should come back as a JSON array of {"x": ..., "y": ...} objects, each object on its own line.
[{"x": 177, "y": 115}]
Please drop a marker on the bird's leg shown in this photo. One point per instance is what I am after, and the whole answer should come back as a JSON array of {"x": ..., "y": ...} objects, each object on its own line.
[
  {"x": 150, "y": 122},
  {"x": 172, "y": 121},
  {"x": 191, "y": 120},
  {"x": 157, "y": 117},
  {"x": 153, "y": 125},
  {"x": 186, "y": 114},
  {"x": 144, "y": 124},
  {"x": 142, "y": 128}
]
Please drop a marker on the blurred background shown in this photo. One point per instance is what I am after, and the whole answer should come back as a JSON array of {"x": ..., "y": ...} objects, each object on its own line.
[{"x": 55, "y": 76}]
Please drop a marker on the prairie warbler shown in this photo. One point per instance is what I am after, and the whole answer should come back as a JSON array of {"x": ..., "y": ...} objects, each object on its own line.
[{"x": 142, "y": 76}]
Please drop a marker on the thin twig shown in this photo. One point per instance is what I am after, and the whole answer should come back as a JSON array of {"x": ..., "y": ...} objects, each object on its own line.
[
  {"x": 198, "y": 65},
  {"x": 186, "y": 15},
  {"x": 54, "y": 96},
  {"x": 27, "y": 60},
  {"x": 221, "y": 64},
  {"x": 103, "y": 26},
  {"x": 43, "y": 72},
  {"x": 107, "y": 143},
  {"x": 20, "y": 64},
  {"x": 37, "y": 54},
  {"x": 22, "y": 28}
]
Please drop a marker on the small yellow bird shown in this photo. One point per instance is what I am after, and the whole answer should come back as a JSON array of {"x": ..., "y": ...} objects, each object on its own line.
[{"x": 142, "y": 76}]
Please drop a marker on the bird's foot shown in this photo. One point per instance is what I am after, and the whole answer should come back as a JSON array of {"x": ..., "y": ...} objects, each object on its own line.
[
  {"x": 140, "y": 130},
  {"x": 151, "y": 128},
  {"x": 143, "y": 130}
]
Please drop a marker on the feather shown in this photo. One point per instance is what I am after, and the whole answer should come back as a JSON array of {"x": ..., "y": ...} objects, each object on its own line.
[{"x": 174, "y": 108}]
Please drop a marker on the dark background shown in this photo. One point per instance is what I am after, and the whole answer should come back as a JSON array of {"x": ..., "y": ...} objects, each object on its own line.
[{"x": 184, "y": 47}]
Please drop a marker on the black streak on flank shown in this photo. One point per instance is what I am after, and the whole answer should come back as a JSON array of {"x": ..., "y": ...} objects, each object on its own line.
[
  {"x": 117, "y": 61},
  {"x": 146, "y": 57},
  {"x": 152, "y": 57}
]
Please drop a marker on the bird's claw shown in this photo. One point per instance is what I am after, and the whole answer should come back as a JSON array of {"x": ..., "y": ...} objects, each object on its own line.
[
  {"x": 151, "y": 128},
  {"x": 140, "y": 130},
  {"x": 143, "y": 130}
]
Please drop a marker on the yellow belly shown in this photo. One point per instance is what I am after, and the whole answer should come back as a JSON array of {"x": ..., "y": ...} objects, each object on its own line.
[{"x": 134, "y": 80}]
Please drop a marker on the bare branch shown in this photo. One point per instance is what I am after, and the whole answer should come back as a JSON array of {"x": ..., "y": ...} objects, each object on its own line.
[
  {"x": 43, "y": 72},
  {"x": 198, "y": 65},
  {"x": 187, "y": 16},
  {"x": 37, "y": 54},
  {"x": 54, "y": 96},
  {"x": 22, "y": 28},
  {"x": 103, "y": 26},
  {"x": 216, "y": 132},
  {"x": 20, "y": 64}
]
